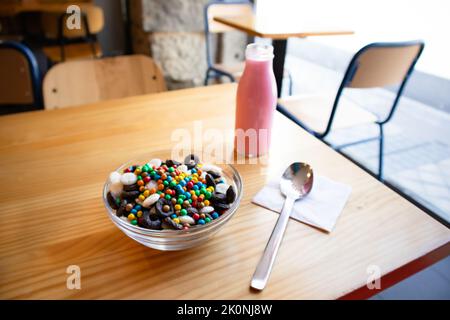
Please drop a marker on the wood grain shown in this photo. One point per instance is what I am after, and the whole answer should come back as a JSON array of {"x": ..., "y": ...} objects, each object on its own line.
[
  {"x": 87, "y": 81},
  {"x": 277, "y": 29},
  {"x": 53, "y": 165}
]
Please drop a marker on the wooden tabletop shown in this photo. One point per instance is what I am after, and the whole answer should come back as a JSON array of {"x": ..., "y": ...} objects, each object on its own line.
[
  {"x": 279, "y": 29},
  {"x": 53, "y": 165}
]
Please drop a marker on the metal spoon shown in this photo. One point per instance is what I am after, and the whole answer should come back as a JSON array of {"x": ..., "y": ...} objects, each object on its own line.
[{"x": 295, "y": 183}]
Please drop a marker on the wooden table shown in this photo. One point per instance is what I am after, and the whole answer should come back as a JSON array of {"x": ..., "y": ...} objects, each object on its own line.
[
  {"x": 279, "y": 30},
  {"x": 53, "y": 165}
]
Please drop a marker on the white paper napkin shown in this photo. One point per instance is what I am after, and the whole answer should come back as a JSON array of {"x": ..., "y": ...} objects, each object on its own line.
[{"x": 321, "y": 208}]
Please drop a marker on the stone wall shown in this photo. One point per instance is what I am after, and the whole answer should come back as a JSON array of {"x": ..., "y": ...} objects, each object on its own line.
[{"x": 171, "y": 31}]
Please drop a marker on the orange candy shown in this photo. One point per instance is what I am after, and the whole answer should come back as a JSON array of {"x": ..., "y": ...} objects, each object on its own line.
[
  {"x": 160, "y": 187},
  {"x": 140, "y": 182},
  {"x": 152, "y": 190}
]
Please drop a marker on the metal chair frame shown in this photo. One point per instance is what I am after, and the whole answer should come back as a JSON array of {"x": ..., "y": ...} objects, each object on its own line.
[
  {"x": 62, "y": 40},
  {"x": 348, "y": 76},
  {"x": 212, "y": 72}
]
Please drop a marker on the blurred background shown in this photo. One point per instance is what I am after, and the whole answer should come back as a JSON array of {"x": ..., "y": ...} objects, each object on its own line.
[{"x": 172, "y": 33}]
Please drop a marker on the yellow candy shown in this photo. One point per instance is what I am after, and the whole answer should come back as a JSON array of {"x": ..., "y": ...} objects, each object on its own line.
[
  {"x": 146, "y": 193},
  {"x": 131, "y": 217},
  {"x": 176, "y": 220},
  {"x": 177, "y": 207},
  {"x": 206, "y": 202},
  {"x": 139, "y": 213},
  {"x": 141, "y": 197}
]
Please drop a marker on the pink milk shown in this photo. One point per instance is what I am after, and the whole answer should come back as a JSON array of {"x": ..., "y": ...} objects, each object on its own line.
[{"x": 255, "y": 102}]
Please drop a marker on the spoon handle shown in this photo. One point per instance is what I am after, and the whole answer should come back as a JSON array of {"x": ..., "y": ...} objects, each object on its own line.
[{"x": 264, "y": 267}]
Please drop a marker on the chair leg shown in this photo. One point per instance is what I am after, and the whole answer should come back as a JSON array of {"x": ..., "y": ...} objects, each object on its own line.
[
  {"x": 381, "y": 154},
  {"x": 290, "y": 83},
  {"x": 206, "y": 77}
]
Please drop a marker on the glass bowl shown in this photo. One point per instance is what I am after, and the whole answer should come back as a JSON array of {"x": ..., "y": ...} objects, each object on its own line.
[{"x": 169, "y": 240}]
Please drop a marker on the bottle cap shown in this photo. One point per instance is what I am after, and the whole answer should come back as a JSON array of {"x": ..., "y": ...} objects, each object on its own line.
[{"x": 260, "y": 52}]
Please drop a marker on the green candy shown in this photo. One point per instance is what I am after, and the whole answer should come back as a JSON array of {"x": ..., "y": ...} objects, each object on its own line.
[
  {"x": 208, "y": 195},
  {"x": 171, "y": 169},
  {"x": 165, "y": 183},
  {"x": 134, "y": 222},
  {"x": 168, "y": 196},
  {"x": 173, "y": 183},
  {"x": 207, "y": 220},
  {"x": 180, "y": 201},
  {"x": 183, "y": 212}
]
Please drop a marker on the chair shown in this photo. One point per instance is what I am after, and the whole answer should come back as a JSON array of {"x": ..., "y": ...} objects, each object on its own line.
[
  {"x": 70, "y": 44},
  {"x": 79, "y": 82},
  {"x": 20, "y": 85},
  {"x": 225, "y": 7},
  {"x": 375, "y": 65}
]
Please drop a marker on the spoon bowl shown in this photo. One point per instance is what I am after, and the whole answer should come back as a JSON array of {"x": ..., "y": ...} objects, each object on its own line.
[{"x": 297, "y": 180}]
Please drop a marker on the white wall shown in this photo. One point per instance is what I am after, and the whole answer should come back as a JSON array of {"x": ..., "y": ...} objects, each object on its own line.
[{"x": 381, "y": 20}]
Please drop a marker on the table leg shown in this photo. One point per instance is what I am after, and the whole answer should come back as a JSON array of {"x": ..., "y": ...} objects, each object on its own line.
[{"x": 279, "y": 50}]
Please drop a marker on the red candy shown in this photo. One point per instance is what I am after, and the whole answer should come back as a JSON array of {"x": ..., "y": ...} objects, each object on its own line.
[
  {"x": 196, "y": 216},
  {"x": 147, "y": 179}
]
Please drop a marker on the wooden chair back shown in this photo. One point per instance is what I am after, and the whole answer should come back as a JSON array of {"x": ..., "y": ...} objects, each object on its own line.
[
  {"x": 50, "y": 22},
  {"x": 19, "y": 75},
  {"x": 87, "y": 81},
  {"x": 383, "y": 64}
]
